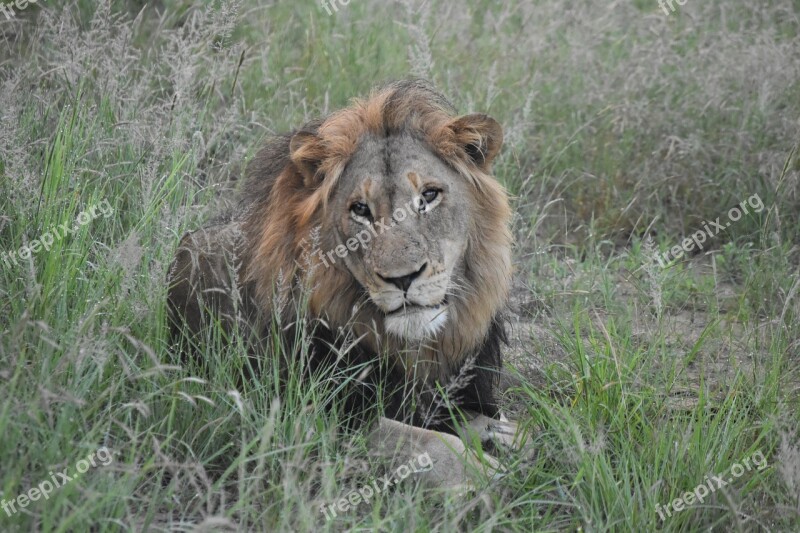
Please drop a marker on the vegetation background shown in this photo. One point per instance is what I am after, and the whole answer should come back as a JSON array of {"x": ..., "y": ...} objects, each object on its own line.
[{"x": 626, "y": 129}]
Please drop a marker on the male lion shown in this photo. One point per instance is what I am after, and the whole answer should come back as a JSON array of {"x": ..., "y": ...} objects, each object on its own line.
[{"x": 385, "y": 220}]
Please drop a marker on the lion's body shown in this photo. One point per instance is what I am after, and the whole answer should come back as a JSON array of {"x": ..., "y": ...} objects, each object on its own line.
[{"x": 425, "y": 297}]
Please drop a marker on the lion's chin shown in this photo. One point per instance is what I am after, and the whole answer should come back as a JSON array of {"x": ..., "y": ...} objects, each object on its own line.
[{"x": 417, "y": 323}]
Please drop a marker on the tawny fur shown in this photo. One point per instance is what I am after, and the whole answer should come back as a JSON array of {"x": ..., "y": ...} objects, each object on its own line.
[
  {"x": 291, "y": 182},
  {"x": 281, "y": 223}
]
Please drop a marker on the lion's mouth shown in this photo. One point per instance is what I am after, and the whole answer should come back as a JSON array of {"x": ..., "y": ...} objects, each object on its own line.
[
  {"x": 409, "y": 308},
  {"x": 417, "y": 322}
]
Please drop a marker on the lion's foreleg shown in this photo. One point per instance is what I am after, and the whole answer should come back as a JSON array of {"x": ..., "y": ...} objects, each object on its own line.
[{"x": 441, "y": 460}]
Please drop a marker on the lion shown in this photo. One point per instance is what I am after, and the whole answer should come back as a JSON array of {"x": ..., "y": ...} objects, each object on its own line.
[{"x": 385, "y": 220}]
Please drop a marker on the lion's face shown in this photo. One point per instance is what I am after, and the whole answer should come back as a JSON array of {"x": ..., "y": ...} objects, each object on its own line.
[
  {"x": 408, "y": 228},
  {"x": 403, "y": 216}
]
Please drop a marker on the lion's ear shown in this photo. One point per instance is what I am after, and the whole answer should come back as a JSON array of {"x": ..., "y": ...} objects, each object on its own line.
[
  {"x": 480, "y": 136},
  {"x": 307, "y": 154}
]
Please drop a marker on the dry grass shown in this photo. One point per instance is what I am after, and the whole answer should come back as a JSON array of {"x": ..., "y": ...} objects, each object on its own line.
[{"x": 621, "y": 123}]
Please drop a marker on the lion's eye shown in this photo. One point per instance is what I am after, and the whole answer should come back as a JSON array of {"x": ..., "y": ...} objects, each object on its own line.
[
  {"x": 360, "y": 209},
  {"x": 430, "y": 195}
]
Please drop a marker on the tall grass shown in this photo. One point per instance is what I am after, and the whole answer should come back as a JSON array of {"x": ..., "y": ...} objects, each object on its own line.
[{"x": 621, "y": 123}]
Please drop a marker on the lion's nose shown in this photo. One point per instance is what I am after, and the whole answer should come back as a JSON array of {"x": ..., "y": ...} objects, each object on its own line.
[{"x": 405, "y": 281}]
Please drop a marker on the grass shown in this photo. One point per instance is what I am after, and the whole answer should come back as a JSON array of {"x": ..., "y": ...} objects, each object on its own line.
[{"x": 622, "y": 125}]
